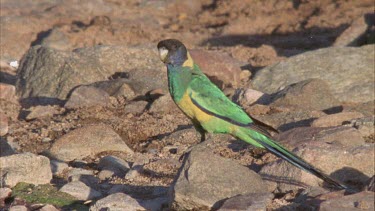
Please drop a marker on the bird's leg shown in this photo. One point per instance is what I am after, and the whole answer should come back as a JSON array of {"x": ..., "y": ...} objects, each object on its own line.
[{"x": 202, "y": 132}]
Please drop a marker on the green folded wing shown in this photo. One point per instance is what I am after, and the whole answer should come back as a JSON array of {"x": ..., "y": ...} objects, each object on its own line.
[{"x": 211, "y": 99}]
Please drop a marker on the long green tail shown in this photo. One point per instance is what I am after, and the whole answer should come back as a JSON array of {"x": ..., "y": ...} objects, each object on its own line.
[{"x": 260, "y": 140}]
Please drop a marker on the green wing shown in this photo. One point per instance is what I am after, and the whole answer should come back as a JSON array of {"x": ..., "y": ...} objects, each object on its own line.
[{"x": 205, "y": 95}]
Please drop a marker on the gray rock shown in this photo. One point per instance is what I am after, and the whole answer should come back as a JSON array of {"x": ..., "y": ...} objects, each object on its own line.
[
  {"x": 104, "y": 174},
  {"x": 247, "y": 202},
  {"x": 80, "y": 191},
  {"x": 56, "y": 39},
  {"x": 311, "y": 94},
  {"x": 87, "y": 179},
  {"x": 117, "y": 202},
  {"x": 79, "y": 171},
  {"x": 86, "y": 96},
  {"x": 204, "y": 179},
  {"x": 86, "y": 141},
  {"x": 38, "y": 112},
  {"x": 116, "y": 87},
  {"x": 359, "y": 201},
  {"x": 49, "y": 73},
  {"x": 338, "y": 66},
  {"x": 25, "y": 167},
  {"x": 320, "y": 147},
  {"x": 58, "y": 167},
  {"x": 118, "y": 166},
  {"x": 163, "y": 104},
  {"x": 135, "y": 107}
]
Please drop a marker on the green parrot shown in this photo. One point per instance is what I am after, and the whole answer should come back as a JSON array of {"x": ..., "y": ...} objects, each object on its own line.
[{"x": 212, "y": 112}]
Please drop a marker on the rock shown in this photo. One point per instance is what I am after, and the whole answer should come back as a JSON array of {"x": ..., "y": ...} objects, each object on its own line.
[
  {"x": 25, "y": 167},
  {"x": 7, "y": 92},
  {"x": 56, "y": 39},
  {"x": 80, "y": 191},
  {"x": 105, "y": 174},
  {"x": 251, "y": 96},
  {"x": 48, "y": 207},
  {"x": 134, "y": 172},
  {"x": 38, "y": 112},
  {"x": 87, "y": 141},
  {"x": 114, "y": 164},
  {"x": 3, "y": 124},
  {"x": 354, "y": 35},
  {"x": 50, "y": 73},
  {"x": 284, "y": 119},
  {"x": 18, "y": 208},
  {"x": 311, "y": 94},
  {"x": 87, "y": 179},
  {"x": 7, "y": 147},
  {"x": 86, "y": 96},
  {"x": 251, "y": 201},
  {"x": 338, "y": 66},
  {"x": 366, "y": 108},
  {"x": 364, "y": 125},
  {"x": 79, "y": 172},
  {"x": 163, "y": 104},
  {"x": 135, "y": 107},
  {"x": 371, "y": 184},
  {"x": 25, "y": 24},
  {"x": 222, "y": 69},
  {"x": 58, "y": 167},
  {"x": 117, "y": 201},
  {"x": 5, "y": 193},
  {"x": 350, "y": 163},
  {"x": 335, "y": 119},
  {"x": 197, "y": 185},
  {"x": 361, "y": 201},
  {"x": 344, "y": 136},
  {"x": 116, "y": 87}
]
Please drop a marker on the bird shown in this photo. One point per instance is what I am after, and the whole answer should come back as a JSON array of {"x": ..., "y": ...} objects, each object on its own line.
[{"x": 211, "y": 111}]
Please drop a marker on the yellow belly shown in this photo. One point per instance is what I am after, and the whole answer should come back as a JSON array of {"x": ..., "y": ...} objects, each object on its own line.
[{"x": 192, "y": 111}]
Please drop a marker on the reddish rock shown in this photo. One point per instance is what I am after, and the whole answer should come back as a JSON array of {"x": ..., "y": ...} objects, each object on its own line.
[
  {"x": 359, "y": 201},
  {"x": 351, "y": 163},
  {"x": 354, "y": 35},
  {"x": 336, "y": 119},
  {"x": 310, "y": 94},
  {"x": 3, "y": 124},
  {"x": 222, "y": 69},
  {"x": 7, "y": 92}
]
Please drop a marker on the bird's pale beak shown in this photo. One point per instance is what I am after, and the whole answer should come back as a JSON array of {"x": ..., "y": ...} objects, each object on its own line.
[{"x": 163, "y": 54}]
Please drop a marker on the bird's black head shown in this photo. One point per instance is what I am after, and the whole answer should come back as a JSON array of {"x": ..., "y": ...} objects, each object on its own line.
[{"x": 172, "y": 51}]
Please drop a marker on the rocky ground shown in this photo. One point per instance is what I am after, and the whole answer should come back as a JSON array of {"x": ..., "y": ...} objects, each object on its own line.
[{"x": 86, "y": 122}]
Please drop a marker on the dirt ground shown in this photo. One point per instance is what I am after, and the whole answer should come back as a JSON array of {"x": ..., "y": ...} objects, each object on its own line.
[{"x": 256, "y": 33}]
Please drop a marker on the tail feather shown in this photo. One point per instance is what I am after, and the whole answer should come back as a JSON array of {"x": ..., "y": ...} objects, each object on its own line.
[{"x": 282, "y": 152}]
